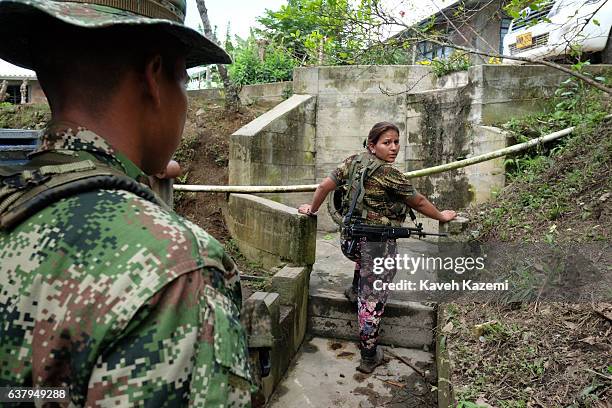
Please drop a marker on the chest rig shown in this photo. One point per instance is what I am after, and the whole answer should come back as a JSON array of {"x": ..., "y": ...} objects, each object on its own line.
[{"x": 53, "y": 175}]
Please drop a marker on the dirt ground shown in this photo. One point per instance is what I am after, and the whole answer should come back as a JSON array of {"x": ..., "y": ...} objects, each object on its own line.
[
  {"x": 543, "y": 353},
  {"x": 204, "y": 155},
  {"x": 530, "y": 355}
]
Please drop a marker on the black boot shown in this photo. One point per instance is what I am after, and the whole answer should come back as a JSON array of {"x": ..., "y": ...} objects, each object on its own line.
[{"x": 370, "y": 360}]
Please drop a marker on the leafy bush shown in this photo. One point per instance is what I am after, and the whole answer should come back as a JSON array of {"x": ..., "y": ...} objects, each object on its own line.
[
  {"x": 575, "y": 103},
  {"x": 457, "y": 61},
  {"x": 248, "y": 68}
]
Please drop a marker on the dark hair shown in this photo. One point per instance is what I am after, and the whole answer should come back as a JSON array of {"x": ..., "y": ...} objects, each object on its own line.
[
  {"x": 85, "y": 66},
  {"x": 377, "y": 130}
]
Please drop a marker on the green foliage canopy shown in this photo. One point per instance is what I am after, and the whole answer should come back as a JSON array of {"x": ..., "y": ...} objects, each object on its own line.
[
  {"x": 328, "y": 32},
  {"x": 277, "y": 64}
]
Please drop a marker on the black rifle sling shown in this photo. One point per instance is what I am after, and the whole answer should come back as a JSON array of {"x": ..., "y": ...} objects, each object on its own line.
[{"x": 357, "y": 194}]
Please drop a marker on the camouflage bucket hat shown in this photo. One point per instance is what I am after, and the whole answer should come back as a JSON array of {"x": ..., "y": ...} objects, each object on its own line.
[{"x": 168, "y": 15}]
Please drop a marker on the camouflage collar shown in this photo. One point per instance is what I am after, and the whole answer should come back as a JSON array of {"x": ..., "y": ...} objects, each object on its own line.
[
  {"x": 68, "y": 136},
  {"x": 370, "y": 156}
]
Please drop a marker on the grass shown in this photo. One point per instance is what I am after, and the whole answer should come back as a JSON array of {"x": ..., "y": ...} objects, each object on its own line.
[{"x": 544, "y": 186}]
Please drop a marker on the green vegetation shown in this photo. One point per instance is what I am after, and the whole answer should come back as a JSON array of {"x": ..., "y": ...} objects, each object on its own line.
[
  {"x": 327, "y": 32},
  {"x": 248, "y": 68},
  {"x": 515, "y": 7},
  {"x": 457, "y": 61},
  {"x": 312, "y": 32},
  {"x": 30, "y": 116},
  {"x": 547, "y": 183},
  {"x": 557, "y": 199},
  {"x": 251, "y": 268}
]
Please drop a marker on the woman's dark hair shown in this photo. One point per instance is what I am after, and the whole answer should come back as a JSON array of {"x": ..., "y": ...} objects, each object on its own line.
[{"x": 377, "y": 130}]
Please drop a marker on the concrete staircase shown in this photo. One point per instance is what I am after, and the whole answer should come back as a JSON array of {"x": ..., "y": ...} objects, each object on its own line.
[{"x": 405, "y": 323}]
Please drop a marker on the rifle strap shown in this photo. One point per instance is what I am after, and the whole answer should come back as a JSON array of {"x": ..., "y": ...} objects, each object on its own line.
[
  {"x": 359, "y": 189},
  {"x": 411, "y": 214},
  {"x": 367, "y": 172},
  {"x": 349, "y": 214}
]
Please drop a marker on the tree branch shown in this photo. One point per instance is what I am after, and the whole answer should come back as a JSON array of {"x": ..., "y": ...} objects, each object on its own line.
[{"x": 232, "y": 94}]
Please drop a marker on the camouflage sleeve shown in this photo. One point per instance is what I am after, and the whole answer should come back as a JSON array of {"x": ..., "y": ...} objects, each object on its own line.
[
  {"x": 185, "y": 346},
  {"x": 230, "y": 282},
  {"x": 395, "y": 182},
  {"x": 340, "y": 174}
]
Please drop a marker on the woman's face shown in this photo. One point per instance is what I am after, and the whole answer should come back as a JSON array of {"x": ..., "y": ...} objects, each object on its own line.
[{"x": 387, "y": 147}]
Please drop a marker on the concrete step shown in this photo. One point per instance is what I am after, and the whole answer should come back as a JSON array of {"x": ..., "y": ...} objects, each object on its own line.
[{"x": 404, "y": 324}]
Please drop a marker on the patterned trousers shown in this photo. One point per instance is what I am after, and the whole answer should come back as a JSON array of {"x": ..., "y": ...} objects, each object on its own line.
[{"x": 370, "y": 301}]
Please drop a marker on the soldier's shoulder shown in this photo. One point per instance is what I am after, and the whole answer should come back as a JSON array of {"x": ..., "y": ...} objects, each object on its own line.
[
  {"x": 110, "y": 220},
  {"x": 388, "y": 169}
]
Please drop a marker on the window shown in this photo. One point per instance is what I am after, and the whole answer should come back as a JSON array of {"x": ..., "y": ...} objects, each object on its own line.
[
  {"x": 503, "y": 30},
  {"x": 13, "y": 94},
  {"x": 428, "y": 51}
]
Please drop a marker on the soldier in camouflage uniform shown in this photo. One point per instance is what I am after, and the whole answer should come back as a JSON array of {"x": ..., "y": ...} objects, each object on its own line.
[
  {"x": 105, "y": 291},
  {"x": 387, "y": 192}
]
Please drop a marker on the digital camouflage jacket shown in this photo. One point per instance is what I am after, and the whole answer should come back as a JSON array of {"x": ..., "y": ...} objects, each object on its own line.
[{"x": 123, "y": 302}]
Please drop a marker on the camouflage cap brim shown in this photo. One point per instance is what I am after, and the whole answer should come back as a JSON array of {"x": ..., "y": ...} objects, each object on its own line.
[{"x": 200, "y": 50}]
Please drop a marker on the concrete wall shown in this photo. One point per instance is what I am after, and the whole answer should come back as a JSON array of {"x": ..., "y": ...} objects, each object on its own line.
[
  {"x": 269, "y": 232},
  {"x": 277, "y": 148},
  {"x": 274, "y": 92},
  {"x": 481, "y": 30},
  {"x": 440, "y": 120},
  {"x": 271, "y": 93},
  {"x": 503, "y": 92},
  {"x": 349, "y": 101},
  {"x": 36, "y": 93},
  {"x": 212, "y": 94},
  {"x": 278, "y": 323}
]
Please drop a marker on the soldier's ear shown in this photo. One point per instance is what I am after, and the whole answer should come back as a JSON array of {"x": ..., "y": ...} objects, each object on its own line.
[{"x": 153, "y": 76}]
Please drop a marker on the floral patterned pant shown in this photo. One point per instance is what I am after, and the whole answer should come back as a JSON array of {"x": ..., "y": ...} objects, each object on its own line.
[{"x": 371, "y": 302}]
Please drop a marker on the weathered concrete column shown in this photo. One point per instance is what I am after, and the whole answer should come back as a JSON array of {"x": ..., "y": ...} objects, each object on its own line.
[
  {"x": 291, "y": 283},
  {"x": 277, "y": 148},
  {"x": 270, "y": 233}
]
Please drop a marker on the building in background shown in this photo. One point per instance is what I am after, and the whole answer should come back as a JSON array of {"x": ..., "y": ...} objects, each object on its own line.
[
  {"x": 477, "y": 24},
  {"x": 18, "y": 79}
]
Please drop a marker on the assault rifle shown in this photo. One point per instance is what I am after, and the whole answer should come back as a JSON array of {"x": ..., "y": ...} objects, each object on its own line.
[{"x": 357, "y": 229}]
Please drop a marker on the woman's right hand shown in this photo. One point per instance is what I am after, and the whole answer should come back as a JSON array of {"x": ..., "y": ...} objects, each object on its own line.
[{"x": 305, "y": 209}]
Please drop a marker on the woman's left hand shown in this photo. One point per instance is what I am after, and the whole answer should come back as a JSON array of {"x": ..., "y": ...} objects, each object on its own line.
[{"x": 448, "y": 215}]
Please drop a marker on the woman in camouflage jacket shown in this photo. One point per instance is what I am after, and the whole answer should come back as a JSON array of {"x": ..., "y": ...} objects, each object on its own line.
[{"x": 387, "y": 192}]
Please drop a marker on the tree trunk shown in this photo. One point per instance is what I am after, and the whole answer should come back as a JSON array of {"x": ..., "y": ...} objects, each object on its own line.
[
  {"x": 232, "y": 92},
  {"x": 3, "y": 93}
]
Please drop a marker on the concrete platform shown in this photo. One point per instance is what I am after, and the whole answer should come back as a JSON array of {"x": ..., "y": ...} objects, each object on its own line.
[
  {"x": 323, "y": 375},
  {"x": 405, "y": 324}
]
